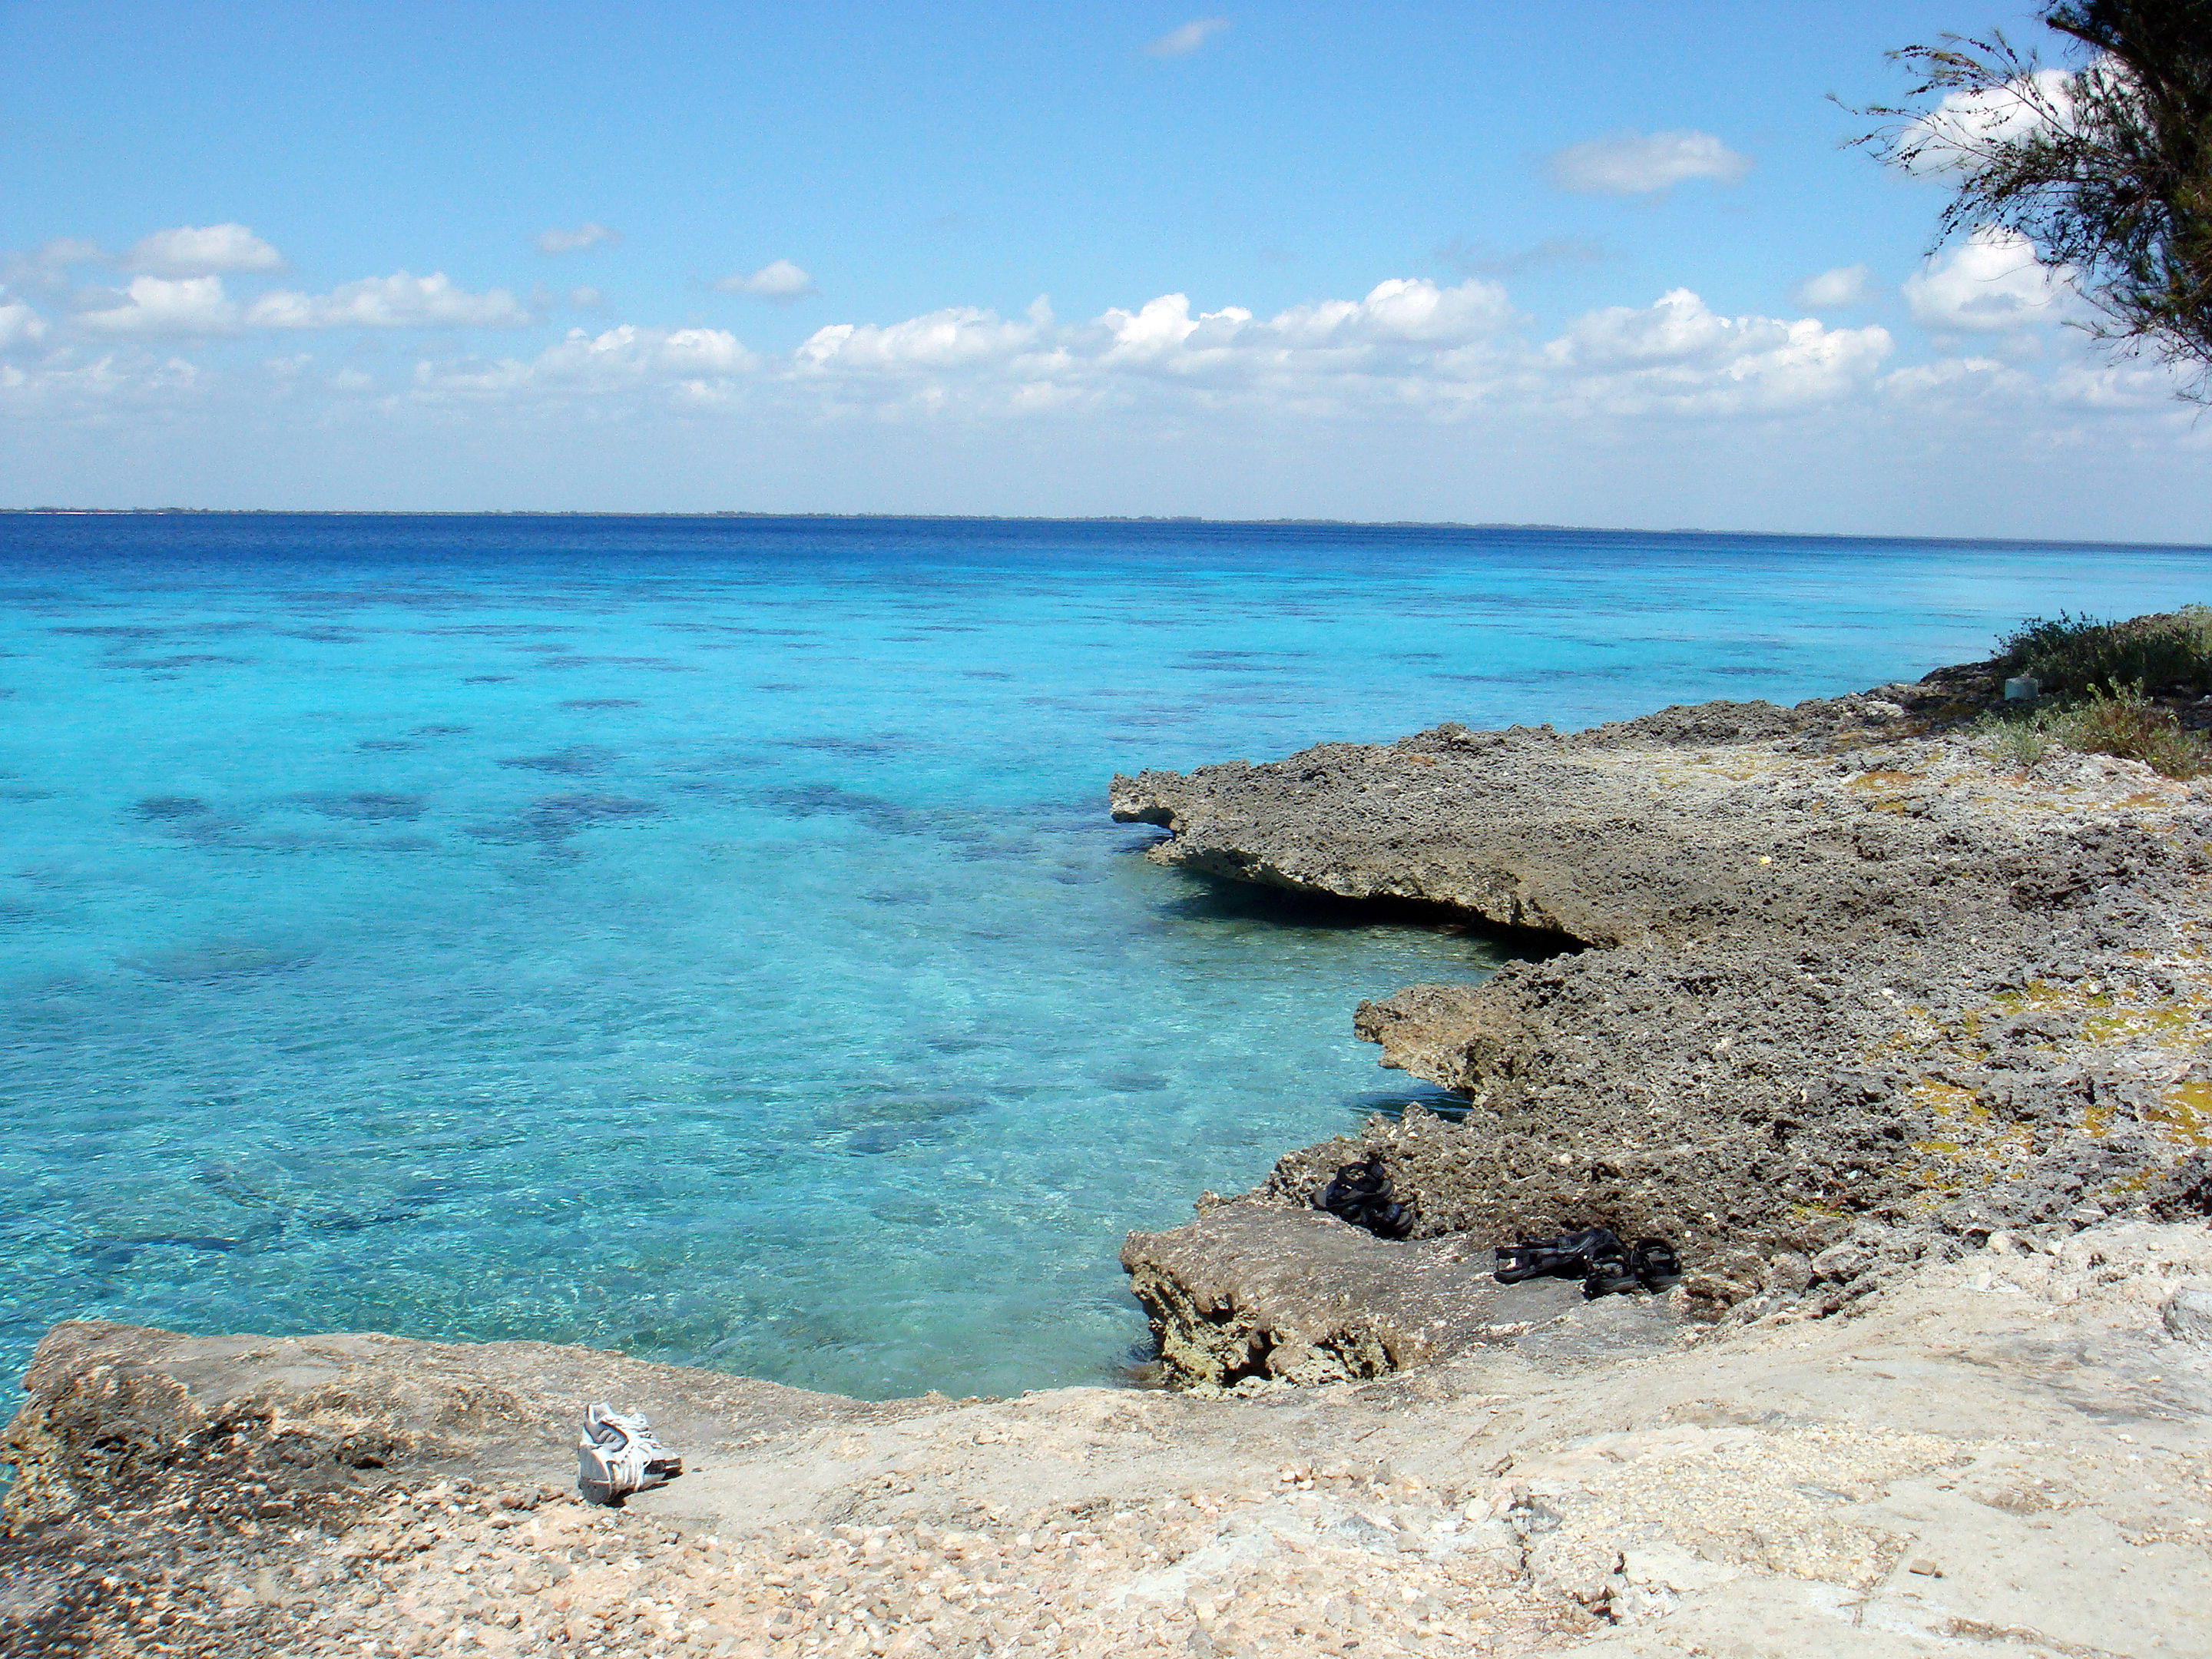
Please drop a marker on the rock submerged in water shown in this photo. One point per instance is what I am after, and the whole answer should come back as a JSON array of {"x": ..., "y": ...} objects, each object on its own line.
[{"x": 1821, "y": 973}]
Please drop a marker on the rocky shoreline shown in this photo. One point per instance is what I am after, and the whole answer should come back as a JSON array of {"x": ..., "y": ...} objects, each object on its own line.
[
  {"x": 1834, "y": 990},
  {"x": 1907, "y": 1050}
]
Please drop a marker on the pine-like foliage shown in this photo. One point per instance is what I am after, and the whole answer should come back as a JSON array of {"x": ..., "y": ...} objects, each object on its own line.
[{"x": 2105, "y": 167}]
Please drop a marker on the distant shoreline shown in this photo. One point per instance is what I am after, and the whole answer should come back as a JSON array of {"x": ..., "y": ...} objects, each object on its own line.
[{"x": 1042, "y": 518}]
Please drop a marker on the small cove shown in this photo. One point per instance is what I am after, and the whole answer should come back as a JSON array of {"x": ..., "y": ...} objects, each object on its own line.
[{"x": 706, "y": 938}]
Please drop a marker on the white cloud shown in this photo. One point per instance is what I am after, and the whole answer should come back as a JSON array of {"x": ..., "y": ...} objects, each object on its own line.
[
  {"x": 779, "y": 281},
  {"x": 629, "y": 350},
  {"x": 1992, "y": 281},
  {"x": 959, "y": 336},
  {"x": 693, "y": 366},
  {"x": 1966, "y": 123},
  {"x": 1950, "y": 379},
  {"x": 1635, "y": 164},
  {"x": 1836, "y": 291},
  {"x": 1678, "y": 354},
  {"x": 159, "y": 306},
  {"x": 588, "y": 234},
  {"x": 1409, "y": 343},
  {"x": 20, "y": 325},
  {"x": 1408, "y": 338},
  {"x": 1402, "y": 310},
  {"x": 586, "y": 299},
  {"x": 1182, "y": 41},
  {"x": 100, "y": 389},
  {"x": 400, "y": 300},
  {"x": 165, "y": 306},
  {"x": 2081, "y": 379},
  {"x": 2106, "y": 384},
  {"x": 1409, "y": 350},
  {"x": 202, "y": 251}
]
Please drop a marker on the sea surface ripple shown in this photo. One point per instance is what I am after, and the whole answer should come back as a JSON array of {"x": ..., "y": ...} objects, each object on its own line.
[{"x": 705, "y": 938}]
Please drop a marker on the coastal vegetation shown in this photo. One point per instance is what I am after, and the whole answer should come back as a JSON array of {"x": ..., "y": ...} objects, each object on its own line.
[
  {"x": 2104, "y": 169},
  {"x": 2105, "y": 679},
  {"x": 2120, "y": 721},
  {"x": 2169, "y": 650}
]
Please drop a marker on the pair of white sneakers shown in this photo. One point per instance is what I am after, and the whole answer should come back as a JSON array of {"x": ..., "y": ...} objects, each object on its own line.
[{"x": 617, "y": 1456}]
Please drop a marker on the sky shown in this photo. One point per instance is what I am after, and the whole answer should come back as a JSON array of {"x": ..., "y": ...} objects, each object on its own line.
[{"x": 1588, "y": 262}]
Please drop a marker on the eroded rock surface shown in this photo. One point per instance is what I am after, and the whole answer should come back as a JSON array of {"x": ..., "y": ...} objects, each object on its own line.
[
  {"x": 1826, "y": 973},
  {"x": 2006, "y": 1456},
  {"x": 121, "y": 1414},
  {"x": 1250, "y": 1292}
]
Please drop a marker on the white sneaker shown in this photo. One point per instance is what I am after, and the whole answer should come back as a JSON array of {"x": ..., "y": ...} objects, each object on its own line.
[{"x": 617, "y": 1455}]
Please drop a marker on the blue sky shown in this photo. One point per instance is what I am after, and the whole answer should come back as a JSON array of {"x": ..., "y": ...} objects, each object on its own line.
[{"x": 1581, "y": 262}]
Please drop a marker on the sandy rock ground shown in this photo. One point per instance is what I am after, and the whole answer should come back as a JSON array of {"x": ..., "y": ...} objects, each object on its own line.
[{"x": 2003, "y": 1455}]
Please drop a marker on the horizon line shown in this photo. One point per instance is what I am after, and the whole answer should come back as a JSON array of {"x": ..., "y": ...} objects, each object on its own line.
[{"x": 1039, "y": 518}]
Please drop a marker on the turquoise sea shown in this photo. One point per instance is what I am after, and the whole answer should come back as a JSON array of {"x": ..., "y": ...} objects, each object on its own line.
[{"x": 705, "y": 937}]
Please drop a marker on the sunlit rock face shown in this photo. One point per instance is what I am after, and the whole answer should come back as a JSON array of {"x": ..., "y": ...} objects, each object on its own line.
[{"x": 1816, "y": 969}]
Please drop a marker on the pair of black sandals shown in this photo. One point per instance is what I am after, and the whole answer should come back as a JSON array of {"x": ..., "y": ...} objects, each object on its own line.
[
  {"x": 1597, "y": 1257},
  {"x": 1360, "y": 1193}
]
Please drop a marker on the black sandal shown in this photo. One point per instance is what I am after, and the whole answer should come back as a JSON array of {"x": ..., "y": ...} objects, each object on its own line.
[
  {"x": 1609, "y": 1271},
  {"x": 1359, "y": 1193},
  {"x": 1548, "y": 1258},
  {"x": 1597, "y": 1257},
  {"x": 1655, "y": 1265},
  {"x": 1568, "y": 1256},
  {"x": 1387, "y": 1220}
]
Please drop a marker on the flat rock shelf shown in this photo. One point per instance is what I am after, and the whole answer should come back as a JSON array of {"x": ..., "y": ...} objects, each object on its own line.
[
  {"x": 2005, "y": 1455},
  {"x": 1834, "y": 990}
]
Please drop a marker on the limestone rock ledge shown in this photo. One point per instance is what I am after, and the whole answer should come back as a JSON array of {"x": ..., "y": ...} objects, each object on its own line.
[
  {"x": 1250, "y": 1293},
  {"x": 2007, "y": 1455},
  {"x": 283, "y": 1427},
  {"x": 1819, "y": 973}
]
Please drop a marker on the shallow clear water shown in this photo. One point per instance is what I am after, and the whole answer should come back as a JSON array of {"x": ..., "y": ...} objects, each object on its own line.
[{"x": 706, "y": 938}]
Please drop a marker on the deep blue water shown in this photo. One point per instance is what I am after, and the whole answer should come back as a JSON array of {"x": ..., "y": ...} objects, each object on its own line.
[{"x": 705, "y": 937}]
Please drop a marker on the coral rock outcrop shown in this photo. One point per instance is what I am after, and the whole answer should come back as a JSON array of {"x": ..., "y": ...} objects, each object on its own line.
[{"x": 1819, "y": 971}]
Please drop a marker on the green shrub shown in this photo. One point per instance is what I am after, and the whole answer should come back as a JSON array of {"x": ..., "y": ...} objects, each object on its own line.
[
  {"x": 2116, "y": 720},
  {"x": 2124, "y": 722},
  {"x": 2079, "y": 654},
  {"x": 2019, "y": 741}
]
